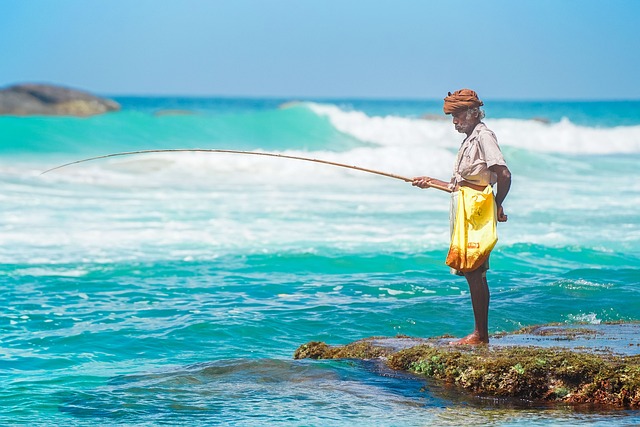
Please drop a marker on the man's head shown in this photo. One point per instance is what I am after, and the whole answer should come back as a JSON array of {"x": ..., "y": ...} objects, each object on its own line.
[{"x": 464, "y": 105}]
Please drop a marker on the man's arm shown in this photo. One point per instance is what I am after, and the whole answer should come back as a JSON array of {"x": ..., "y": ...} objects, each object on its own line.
[{"x": 504, "y": 184}]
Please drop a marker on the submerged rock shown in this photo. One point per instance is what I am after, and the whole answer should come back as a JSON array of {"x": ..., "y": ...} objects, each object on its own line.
[
  {"x": 289, "y": 104},
  {"x": 161, "y": 113},
  {"x": 50, "y": 100},
  {"x": 589, "y": 364}
]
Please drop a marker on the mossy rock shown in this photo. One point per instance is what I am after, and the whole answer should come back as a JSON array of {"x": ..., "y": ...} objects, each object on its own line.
[
  {"x": 549, "y": 374},
  {"x": 363, "y": 349}
]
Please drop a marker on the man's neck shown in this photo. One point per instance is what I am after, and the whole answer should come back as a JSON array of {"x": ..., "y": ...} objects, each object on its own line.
[{"x": 473, "y": 128}]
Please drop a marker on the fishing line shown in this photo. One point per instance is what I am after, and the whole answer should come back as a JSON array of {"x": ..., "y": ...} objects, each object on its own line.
[{"x": 255, "y": 153}]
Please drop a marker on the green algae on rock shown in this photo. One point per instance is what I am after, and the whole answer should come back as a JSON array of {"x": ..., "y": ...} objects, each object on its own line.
[
  {"x": 363, "y": 349},
  {"x": 550, "y": 374}
]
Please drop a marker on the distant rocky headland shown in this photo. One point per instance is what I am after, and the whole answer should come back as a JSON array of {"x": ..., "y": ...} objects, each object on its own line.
[{"x": 50, "y": 100}]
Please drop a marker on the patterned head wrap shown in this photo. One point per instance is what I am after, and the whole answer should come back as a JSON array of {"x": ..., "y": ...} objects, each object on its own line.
[{"x": 460, "y": 100}]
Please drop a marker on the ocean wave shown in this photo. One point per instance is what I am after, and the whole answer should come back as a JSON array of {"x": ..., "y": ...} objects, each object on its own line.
[
  {"x": 199, "y": 205},
  {"x": 306, "y": 127},
  {"x": 392, "y": 144},
  {"x": 533, "y": 135},
  {"x": 278, "y": 129}
]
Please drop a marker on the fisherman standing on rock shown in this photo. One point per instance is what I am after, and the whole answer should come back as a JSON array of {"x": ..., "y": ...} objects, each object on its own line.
[{"x": 479, "y": 166}]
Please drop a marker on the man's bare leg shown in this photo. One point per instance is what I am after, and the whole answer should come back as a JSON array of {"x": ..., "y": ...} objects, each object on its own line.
[{"x": 479, "y": 290}]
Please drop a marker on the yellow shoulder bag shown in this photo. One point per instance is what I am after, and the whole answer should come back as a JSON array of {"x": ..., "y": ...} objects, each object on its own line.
[{"x": 474, "y": 231}]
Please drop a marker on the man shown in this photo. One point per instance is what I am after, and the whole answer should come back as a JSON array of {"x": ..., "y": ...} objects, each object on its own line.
[{"x": 479, "y": 163}]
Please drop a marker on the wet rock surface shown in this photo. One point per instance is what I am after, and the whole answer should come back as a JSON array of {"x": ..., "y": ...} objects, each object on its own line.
[{"x": 575, "y": 364}]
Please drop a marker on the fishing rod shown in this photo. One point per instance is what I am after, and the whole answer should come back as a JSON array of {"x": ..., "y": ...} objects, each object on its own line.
[{"x": 255, "y": 153}]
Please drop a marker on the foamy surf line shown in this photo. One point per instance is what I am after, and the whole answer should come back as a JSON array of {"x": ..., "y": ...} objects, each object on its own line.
[
  {"x": 358, "y": 163},
  {"x": 532, "y": 135}
]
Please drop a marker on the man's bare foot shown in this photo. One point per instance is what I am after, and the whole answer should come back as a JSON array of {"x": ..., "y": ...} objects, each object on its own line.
[{"x": 471, "y": 339}]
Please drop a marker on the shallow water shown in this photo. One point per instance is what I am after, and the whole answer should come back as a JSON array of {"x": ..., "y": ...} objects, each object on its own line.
[{"x": 174, "y": 289}]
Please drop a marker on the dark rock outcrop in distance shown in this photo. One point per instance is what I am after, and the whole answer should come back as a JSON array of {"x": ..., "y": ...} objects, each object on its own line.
[
  {"x": 49, "y": 100},
  {"x": 566, "y": 364}
]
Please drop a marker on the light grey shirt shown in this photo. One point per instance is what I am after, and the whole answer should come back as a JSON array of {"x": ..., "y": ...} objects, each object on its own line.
[{"x": 478, "y": 152}]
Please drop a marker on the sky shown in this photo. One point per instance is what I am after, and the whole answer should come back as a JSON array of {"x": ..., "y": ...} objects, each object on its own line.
[{"x": 414, "y": 49}]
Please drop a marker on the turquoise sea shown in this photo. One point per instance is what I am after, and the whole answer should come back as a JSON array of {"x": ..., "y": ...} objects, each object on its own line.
[{"x": 173, "y": 289}]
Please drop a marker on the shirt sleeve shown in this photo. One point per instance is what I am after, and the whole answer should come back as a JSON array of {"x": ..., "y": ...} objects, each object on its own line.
[{"x": 489, "y": 146}]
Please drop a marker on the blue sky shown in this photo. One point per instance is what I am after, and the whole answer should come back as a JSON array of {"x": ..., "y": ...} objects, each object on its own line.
[{"x": 516, "y": 49}]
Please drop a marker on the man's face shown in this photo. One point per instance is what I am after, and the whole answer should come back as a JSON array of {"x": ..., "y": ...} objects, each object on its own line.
[{"x": 464, "y": 122}]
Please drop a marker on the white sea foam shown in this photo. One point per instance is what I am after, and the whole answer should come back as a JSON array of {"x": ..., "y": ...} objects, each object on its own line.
[
  {"x": 591, "y": 318},
  {"x": 561, "y": 137},
  {"x": 195, "y": 205},
  {"x": 403, "y": 146},
  {"x": 566, "y": 137}
]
